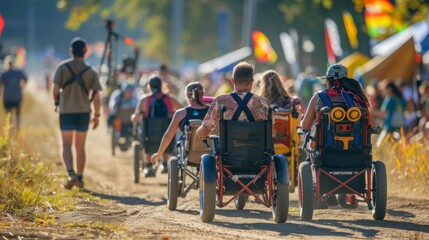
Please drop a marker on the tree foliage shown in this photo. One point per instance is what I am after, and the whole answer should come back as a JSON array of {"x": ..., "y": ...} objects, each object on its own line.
[{"x": 200, "y": 31}]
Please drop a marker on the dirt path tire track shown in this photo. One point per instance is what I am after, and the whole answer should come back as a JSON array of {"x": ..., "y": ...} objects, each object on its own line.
[{"x": 145, "y": 213}]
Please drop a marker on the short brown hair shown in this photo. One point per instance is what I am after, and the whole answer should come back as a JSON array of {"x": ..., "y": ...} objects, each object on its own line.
[{"x": 243, "y": 72}]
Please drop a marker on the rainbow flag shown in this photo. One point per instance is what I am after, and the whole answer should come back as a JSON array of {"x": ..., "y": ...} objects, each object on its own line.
[{"x": 377, "y": 16}]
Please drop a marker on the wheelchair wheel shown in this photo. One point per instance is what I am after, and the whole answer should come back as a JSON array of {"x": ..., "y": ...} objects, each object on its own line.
[
  {"x": 379, "y": 190},
  {"x": 341, "y": 198},
  {"x": 114, "y": 142},
  {"x": 280, "y": 206},
  {"x": 173, "y": 183},
  {"x": 240, "y": 201},
  {"x": 207, "y": 198},
  {"x": 305, "y": 194},
  {"x": 137, "y": 164}
]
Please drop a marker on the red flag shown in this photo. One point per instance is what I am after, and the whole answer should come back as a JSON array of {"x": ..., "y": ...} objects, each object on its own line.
[
  {"x": 329, "y": 51},
  {"x": 2, "y": 23}
]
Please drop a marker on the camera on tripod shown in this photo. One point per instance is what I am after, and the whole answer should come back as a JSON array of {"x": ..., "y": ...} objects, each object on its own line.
[{"x": 110, "y": 24}]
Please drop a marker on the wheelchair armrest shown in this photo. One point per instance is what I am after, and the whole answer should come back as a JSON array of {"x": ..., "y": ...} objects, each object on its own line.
[{"x": 213, "y": 144}]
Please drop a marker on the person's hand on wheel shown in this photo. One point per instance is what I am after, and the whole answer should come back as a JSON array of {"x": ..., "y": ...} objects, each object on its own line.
[{"x": 154, "y": 158}]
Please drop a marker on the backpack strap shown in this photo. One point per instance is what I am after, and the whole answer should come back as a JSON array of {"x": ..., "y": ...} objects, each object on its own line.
[
  {"x": 325, "y": 99},
  {"x": 152, "y": 104},
  {"x": 349, "y": 99},
  {"x": 242, "y": 107},
  {"x": 78, "y": 78}
]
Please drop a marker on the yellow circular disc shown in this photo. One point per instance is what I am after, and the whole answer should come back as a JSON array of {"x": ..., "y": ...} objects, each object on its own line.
[
  {"x": 354, "y": 114},
  {"x": 338, "y": 114}
]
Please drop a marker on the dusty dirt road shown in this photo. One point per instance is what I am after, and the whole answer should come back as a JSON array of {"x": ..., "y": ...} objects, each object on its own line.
[{"x": 141, "y": 209}]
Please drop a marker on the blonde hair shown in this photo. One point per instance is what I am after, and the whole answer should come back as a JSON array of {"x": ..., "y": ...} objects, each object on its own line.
[{"x": 271, "y": 86}]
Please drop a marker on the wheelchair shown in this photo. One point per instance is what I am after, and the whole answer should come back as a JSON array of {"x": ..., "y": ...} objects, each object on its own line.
[
  {"x": 149, "y": 133},
  {"x": 185, "y": 164},
  {"x": 241, "y": 163},
  {"x": 288, "y": 140},
  {"x": 340, "y": 163},
  {"x": 122, "y": 131}
]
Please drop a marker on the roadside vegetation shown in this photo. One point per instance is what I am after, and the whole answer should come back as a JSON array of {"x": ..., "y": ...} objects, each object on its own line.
[
  {"x": 31, "y": 192},
  {"x": 407, "y": 163}
]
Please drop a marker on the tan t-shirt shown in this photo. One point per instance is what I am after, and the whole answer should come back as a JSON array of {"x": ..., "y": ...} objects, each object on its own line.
[{"x": 73, "y": 98}]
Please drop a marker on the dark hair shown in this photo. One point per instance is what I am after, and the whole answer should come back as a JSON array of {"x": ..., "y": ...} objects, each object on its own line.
[
  {"x": 163, "y": 67},
  {"x": 194, "y": 92},
  {"x": 243, "y": 72},
  {"x": 395, "y": 90},
  {"x": 155, "y": 83},
  {"x": 78, "y": 47},
  {"x": 351, "y": 85}
]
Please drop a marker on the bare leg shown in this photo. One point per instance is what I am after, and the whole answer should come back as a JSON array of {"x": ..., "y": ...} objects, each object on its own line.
[
  {"x": 80, "y": 139},
  {"x": 67, "y": 137},
  {"x": 166, "y": 157}
]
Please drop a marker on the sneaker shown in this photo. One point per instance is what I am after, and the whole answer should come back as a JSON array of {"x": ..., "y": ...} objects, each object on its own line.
[
  {"x": 80, "y": 184},
  {"x": 332, "y": 201},
  {"x": 72, "y": 181},
  {"x": 164, "y": 167},
  {"x": 351, "y": 199},
  {"x": 149, "y": 172}
]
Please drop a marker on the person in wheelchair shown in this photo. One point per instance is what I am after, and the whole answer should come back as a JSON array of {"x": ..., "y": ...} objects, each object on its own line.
[
  {"x": 272, "y": 88},
  {"x": 287, "y": 119},
  {"x": 195, "y": 110},
  {"x": 340, "y": 92},
  {"x": 122, "y": 100},
  {"x": 242, "y": 162},
  {"x": 155, "y": 105},
  {"x": 241, "y": 104},
  {"x": 122, "y": 103}
]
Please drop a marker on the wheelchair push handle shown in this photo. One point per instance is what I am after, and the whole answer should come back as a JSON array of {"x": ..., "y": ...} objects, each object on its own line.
[
  {"x": 325, "y": 110},
  {"x": 376, "y": 130},
  {"x": 222, "y": 109},
  {"x": 272, "y": 109}
]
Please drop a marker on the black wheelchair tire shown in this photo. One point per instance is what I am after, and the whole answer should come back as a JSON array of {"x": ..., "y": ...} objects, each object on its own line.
[
  {"x": 173, "y": 183},
  {"x": 114, "y": 142},
  {"x": 379, "y": 190},
  {"x": 305, "y": 194},
  {"x": 240, "y": 201},
  {"x": 137, "y": 162},
  {"x": 280, "y": 206},
  {"x": 207, "y": 198}
]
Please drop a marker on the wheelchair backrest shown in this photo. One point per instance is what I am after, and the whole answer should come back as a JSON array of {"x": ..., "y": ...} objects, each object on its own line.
[
  {"x": 343, "y": 136},
  {"x": 245, "y": 145},
  {"x": 124, "y": 115},
  {"x": 282, "y": 126},
  {"x": 194, "y": 146},
  {"x": 154, "y": 129}
]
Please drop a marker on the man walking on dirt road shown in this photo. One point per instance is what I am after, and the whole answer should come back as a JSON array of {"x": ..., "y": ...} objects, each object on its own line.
[
  {"x": 76, "y": 85},
  {"x": 13, "y": 81}
]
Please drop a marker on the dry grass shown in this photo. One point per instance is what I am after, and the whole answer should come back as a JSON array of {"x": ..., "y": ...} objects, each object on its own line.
[
  {"x": 407, "y": 162},
  {"x": 30, "y": 180}
]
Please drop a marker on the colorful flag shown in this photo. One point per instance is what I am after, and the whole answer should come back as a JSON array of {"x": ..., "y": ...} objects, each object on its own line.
[
  {"x": 351, "y": 30},
  {"x": 334, "y": 37},
  {"x": 329, "y": 51},
  {"x": 377, "y": 17},
  {"x": 264, "y": 52}
]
